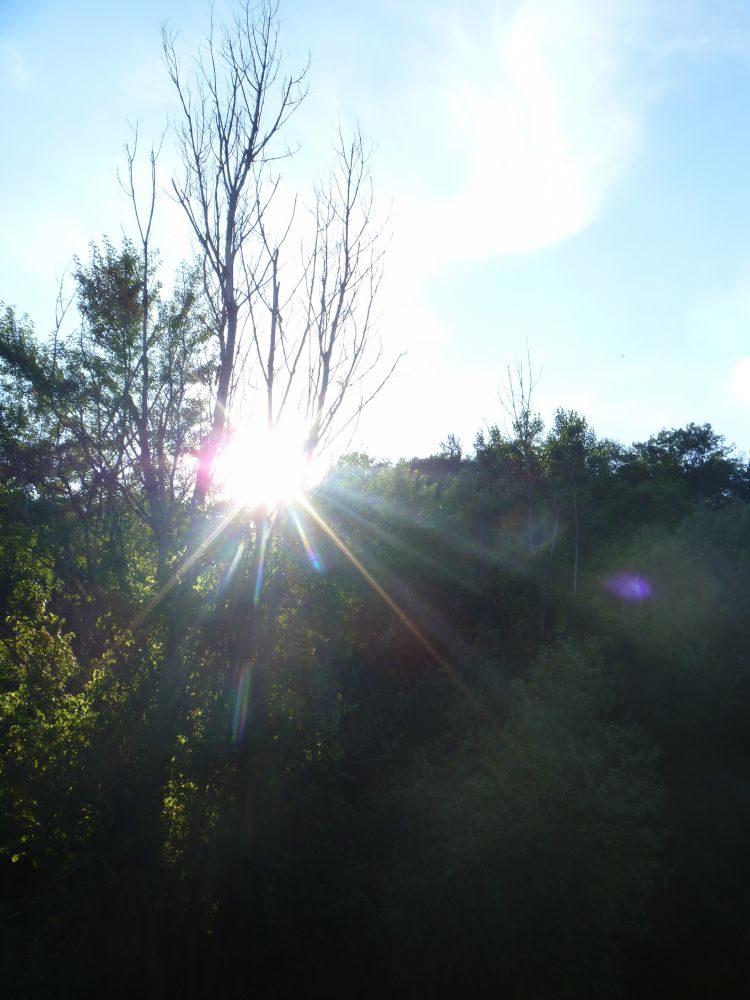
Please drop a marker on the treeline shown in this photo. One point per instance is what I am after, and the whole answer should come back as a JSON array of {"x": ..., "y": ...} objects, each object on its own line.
[{"x": 467, "y": 725}]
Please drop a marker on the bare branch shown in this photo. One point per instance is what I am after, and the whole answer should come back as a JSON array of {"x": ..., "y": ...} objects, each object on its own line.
[{"x": 231, "y": 120}]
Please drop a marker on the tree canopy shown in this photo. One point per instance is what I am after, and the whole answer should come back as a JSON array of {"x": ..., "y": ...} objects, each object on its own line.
[{"x": 469, "y": 724}]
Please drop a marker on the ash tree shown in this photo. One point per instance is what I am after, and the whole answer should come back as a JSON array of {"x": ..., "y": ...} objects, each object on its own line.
[
  {"x": 290, "y": 290},
  {"x": 292, "y": 321}
]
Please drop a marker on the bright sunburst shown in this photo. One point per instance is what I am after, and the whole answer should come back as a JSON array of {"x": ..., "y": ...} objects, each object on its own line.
[{"x": 262, "y": 469}]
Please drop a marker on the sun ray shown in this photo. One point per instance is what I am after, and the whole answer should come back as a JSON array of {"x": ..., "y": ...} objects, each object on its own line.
[
  {"x": 243, "y": 681},
  {"x": 263, "y": 469},
  {"x": 460, "y": 546},
  {"x": 312, "y": 554},
  {"x": 408, "y": 622},
  {"x": 241, "y": 705},
  {"x": 177, "y": 576},
  {"x": 226, "y": 579},
  {"x": 263, "y": 542},
  {"x": 390, "y": 538}
]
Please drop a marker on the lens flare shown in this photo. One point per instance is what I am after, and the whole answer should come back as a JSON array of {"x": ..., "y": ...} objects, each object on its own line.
[
  {"x": 232, "y": 568},
  {"x": 241, "y": 705},
  {"x": 176, "y": 579},
  {"x": 261, "y": 563},
  {"x": 312, "y": 554},
  {"x": 403, "y": 617},
  {"x": 629, "y": 587},
  {"x": 262, "y": 470}
]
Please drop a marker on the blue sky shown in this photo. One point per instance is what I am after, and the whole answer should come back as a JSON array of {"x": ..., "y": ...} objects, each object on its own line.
[{"x": 571, "y": 174}]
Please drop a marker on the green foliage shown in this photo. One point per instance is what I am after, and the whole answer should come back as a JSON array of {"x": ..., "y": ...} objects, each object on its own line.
[
  {"x": 44, "y": 724},
  {"x": 447, "y": 747},
  {"x": 523, "y": 852}
]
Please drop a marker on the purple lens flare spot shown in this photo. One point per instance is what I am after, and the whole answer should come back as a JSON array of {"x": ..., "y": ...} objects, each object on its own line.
[{"x": 630, "y": 587}]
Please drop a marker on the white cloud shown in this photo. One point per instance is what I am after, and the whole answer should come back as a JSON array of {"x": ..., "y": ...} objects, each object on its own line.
[
  {"x": 13, "y": 71},
  {"x": 541, "y": 114}
]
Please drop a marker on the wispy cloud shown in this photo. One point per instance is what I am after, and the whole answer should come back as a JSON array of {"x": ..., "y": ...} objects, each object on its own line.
[
  {"x": 540, "y": 112},
  {"x": 13, "y": 71},
  {"x": 546, "y": 108}
]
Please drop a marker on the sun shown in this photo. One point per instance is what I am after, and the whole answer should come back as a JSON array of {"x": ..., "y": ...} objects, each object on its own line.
[{"x": 262, "y": 469}]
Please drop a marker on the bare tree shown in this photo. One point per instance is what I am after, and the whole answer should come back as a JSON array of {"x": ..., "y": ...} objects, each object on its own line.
[
  {"x": 292, "y": 303},
  {"x": 293, "y": 318},
  {"x": 314, "y": 345},
  {"x": 342, "y": 284},
  {"x": 231, "y": 117},
  {"x": 152, "y": 483},
  {"x": 165, "y": 371},
  {"x": 517, "y": 397}
]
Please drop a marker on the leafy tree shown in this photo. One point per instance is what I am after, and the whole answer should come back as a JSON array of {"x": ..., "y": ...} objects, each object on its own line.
[
  {"x": 521, "y": 853},
  {"x": 44, "y": 719},
  {"x": 567, "y": 449}
]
